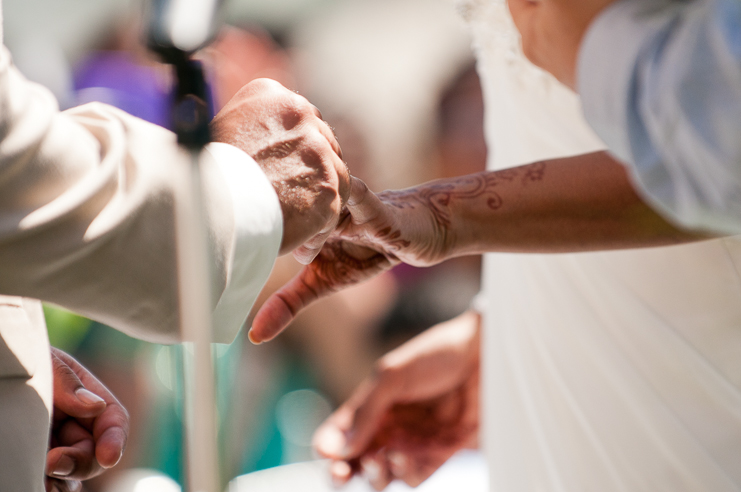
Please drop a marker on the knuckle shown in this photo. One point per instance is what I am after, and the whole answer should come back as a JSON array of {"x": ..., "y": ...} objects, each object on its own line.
[
  {"x": 266, "y": 85},
  {"x": 303, "y": 107},
  {"x": 328, "y": 195},
  {"x": 312, "y": 139},
  {"x": 383, "y": 371},
  {"x": 317, "y": 151}
]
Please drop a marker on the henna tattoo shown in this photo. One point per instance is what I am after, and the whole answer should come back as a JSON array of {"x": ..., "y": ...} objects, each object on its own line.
[
  {"x": 442, "y": 421},
  {"x": 392, "y": 237},
  {"x": 398, "y": 199},
  {"x": 439, "y": 196},
  {"x": 343, "y": 259},
  {"x": 508, "y": 174},
  {"x": 335, "y": 268},
  {"x": 534, "y": 172}
]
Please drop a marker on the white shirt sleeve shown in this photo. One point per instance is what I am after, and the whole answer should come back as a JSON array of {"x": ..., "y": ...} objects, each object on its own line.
[
  {"x": 660, "y": 82},
  {"x": 258, "y": 222}
]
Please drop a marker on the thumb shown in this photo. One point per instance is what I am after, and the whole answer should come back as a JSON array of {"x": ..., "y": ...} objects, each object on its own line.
[
  {"x": 354, "y": 427},
  {"x": 70, "y": 395},
  {"x": 362, "y": 203},
  {"x": 284, "y": 305}
]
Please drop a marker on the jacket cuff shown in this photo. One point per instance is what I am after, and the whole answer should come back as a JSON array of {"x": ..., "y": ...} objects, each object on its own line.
[{"x": 258, "y": 230}]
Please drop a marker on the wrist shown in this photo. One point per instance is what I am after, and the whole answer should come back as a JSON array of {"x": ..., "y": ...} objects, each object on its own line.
[{"x": 420, "y": 234}]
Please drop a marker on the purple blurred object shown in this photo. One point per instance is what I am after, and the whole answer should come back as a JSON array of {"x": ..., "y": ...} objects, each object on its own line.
[{"x": 115, "y": 78}]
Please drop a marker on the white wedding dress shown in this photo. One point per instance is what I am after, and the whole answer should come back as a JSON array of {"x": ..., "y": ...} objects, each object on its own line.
[{"x": 615, "y": 371}]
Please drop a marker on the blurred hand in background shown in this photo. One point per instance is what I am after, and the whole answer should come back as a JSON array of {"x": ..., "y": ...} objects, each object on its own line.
[
  {"x": 419, "y": 408},
  {"x": 89, "y": 426}
]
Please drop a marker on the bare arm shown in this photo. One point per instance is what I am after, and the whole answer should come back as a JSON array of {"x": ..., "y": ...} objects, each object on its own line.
[{"x": 580, "y": 203}]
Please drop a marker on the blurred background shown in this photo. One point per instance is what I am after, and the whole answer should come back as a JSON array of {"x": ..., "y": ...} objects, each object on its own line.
[{"x": 396, "y": 80}]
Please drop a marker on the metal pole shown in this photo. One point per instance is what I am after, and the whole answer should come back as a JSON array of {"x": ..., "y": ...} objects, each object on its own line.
[
  {"x": 176, "y": 29},
  {"x": 195, "y": 314}
]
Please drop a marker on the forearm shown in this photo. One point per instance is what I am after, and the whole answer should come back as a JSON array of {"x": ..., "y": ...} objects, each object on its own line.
[{"x": 579, "y": 203}]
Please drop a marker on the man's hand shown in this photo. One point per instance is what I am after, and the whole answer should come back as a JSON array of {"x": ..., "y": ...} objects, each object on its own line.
[
  {"x": 376, "y": 233},
  {"x": 552, "y": 31},
  {"x": 89, "y": 426},
  {"x": 298, "y": 152},
  {"x": 419, "y": 408}
]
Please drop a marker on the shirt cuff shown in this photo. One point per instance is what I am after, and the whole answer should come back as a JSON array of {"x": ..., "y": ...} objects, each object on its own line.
[{"x": 258, "y": 230}]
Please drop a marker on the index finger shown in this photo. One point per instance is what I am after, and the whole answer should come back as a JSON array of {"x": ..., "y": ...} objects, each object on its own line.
[
  {"x": 352, "y": 429},
  {"x": 284, "y": 305},
  {"x": 338, "y": 265}
]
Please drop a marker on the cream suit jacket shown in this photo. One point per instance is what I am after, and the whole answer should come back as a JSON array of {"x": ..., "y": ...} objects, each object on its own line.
[{"x": 86, "y": 222}]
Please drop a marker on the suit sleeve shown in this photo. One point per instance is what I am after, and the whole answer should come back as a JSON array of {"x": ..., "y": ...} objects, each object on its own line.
[
  {"x": 660, "y": 82},
  {"x": 87, "y": 214}
]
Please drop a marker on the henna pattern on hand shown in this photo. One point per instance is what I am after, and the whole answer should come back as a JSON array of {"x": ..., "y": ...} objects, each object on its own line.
[
  {"x": 335, "y": 268},
  {"x": 392, "y": 237}
]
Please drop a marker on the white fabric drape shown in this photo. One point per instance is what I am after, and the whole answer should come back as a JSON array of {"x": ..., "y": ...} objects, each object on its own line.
[{"x": 616, "y": 371}]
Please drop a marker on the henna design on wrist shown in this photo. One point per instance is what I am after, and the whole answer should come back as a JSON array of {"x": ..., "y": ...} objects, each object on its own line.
[
  {"x": 534, "y": 172},
  {"x": 438, "y": 197}
]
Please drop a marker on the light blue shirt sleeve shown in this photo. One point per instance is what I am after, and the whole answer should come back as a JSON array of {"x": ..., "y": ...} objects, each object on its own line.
[
  {"x": 258, "y": 223},
  {"x": 660, "y": 82}
]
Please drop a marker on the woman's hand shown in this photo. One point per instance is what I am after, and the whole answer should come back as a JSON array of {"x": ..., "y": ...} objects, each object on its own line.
[{"x": 419, "y": 408}]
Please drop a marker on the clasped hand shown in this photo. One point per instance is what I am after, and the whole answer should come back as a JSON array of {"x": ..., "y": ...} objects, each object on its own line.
[
  {"x": 89, "y": 426},
  {"x": 375, "y": 233},
  {"x": 298, "y": 153}
]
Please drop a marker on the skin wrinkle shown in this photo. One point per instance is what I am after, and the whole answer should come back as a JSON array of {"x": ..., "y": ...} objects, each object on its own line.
[
  {"x": 291, "y": 308},
  {"x": 279, "y": 150}
]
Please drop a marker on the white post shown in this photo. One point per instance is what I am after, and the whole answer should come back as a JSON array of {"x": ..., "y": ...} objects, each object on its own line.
[{"x": 195, "y": 321}]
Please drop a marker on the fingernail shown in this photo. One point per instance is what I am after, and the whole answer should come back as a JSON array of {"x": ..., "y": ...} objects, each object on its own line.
[
  {"x": 88, "y": 397},
  {"x": 371, "y": 469},
  {"x": 120, "y": 455},
  {"x": 253, "y": 339},
  {"x": 340, "y": 472},
  {"x": 333, "y": 442},
  {"x": 65, "y": 466},
  {"x": 397, "y": 463},
  {"x": 74, "y": 485}
]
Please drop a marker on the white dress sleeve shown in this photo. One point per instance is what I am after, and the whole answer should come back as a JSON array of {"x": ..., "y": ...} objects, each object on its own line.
[{"x": 660, "y": 82}]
